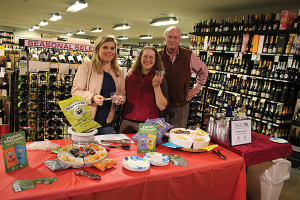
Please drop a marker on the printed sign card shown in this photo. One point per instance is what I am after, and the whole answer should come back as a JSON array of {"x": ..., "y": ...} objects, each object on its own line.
[
  {"x": 14, "y": 151},
  {"x": 240, "y": 132},
  {"x": 147, "y": 138}
]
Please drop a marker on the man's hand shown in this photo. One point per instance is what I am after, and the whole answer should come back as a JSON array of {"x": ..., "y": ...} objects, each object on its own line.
[{"x": 191, "y": 94}]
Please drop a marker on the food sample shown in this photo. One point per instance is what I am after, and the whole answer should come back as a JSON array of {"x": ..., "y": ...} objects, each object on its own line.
[{"x": 186, "y": 138}]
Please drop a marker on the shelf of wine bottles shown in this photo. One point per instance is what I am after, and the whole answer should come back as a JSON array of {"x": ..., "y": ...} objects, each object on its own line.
[
  {"x": 38, "y": 112},
  {"x": 44, "y": 77},
  {"x": 252, "y": 65}
]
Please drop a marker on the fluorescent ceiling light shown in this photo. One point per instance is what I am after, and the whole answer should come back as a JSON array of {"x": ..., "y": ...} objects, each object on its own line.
[
  {"x": 43, "y": 23},
  {"x": 145, "y": 37},
  {"x": 184, "y": 35},
  {"x": 55, "y": 17},
  {"x": 122, "y": 37},
  {"x": 30, "y": 29},
  {"x": 164, "y": 21},
  {"x": 121, "y": 26},
  {"x": 80, "y": 32},
  {"x": 78, "y": 5},
  {"x": 96, "y": 30},
  {"x": 69, "y": 34},
  {"x": 36, "y": 27}
]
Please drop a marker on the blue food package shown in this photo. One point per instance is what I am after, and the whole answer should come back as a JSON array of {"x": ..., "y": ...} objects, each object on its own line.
[{"x": 20, "y": 153}]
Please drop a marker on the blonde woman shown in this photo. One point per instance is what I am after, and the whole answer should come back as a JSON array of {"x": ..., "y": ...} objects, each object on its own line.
[
  {"x": 146, "y": 92},
  {"x": 95, "y": 80}
]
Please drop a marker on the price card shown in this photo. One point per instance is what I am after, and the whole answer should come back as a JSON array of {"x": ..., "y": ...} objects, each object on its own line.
[
  {"x": 23, "y": 67},
  {"x": 276, "y": 58},
  {"x": 290, "y": 62},
  {"x": 254, "y": 98},
  {"x": 220, "y": 92},
  {"x": 253, "y": 56},
  {"x": 263, "y": 100},
  {"x": 53, "y": 65},
  {"x": 33, "y": 66},
  {"x": 74, "y": 66},
  {"x": 44, "y": 66},
  {"x": 228, "y": 75},
  {"x": 64, "y": 68},
  {"x": 245, "y": 77}
]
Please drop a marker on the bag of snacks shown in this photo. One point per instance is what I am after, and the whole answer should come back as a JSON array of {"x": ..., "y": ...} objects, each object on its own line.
[
  {"x": 105, "y": 164},
  {"x": 78, "y": 113},
  {"x": 162, "y": 127}
]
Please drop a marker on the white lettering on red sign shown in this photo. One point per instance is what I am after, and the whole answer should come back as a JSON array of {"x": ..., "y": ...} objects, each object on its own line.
[{"x": 57, "y": 45}]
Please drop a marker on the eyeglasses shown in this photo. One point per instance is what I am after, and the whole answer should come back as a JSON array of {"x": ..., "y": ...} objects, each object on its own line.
[{"x": 150, "y": 57}]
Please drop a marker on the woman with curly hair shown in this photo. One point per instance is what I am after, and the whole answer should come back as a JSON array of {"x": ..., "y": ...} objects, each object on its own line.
[{"x": 146, "y": 92}]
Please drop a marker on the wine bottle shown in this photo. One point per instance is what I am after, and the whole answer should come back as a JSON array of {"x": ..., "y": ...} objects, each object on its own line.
[
  {"x": 5, "y": 87},
  {"x": 284, "y": 93},
  {"x": 8, "y": 64},
  {"x": 266, "y": 45},
  {"x": 297, "y": 21},
  {"x": 275, "y": 44},
  {"x": 2, "y": 65}
]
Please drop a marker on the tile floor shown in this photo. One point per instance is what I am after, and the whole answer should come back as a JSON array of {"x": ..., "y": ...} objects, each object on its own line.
[{"x": 291, "y": 187}]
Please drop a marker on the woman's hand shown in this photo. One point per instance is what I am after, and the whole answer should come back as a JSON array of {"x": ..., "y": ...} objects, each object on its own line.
[
  {"x": 98, "y": 99},
  {"x": 156, "y": 81},
  {"x": 119, "y": 100}
]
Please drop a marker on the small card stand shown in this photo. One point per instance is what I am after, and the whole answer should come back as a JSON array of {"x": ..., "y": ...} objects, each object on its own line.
[{"x": 240, "y": 132}]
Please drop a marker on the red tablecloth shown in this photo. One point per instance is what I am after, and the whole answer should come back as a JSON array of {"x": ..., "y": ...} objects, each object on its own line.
[
  {"x": 260, "y": 150},
  {"x": 207, "y": 177}
]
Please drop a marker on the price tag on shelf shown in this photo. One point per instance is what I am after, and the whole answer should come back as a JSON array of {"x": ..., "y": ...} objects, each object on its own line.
[
  {"x": 2, "y": 50},
  {"x": 276, "y": 58},
  {"x": 254, "y": 98},
  {"x": 289, "y": 62},
  {"x": 53, "y": 65},
  {"x": 253, "y": 56},
  {"x": 236, "y": 55},
  {"x": 263, "y": 100},
  {"x": 245, "y": 77},
  {"x": 64, "y": 68},
  {"x": 44, "y": 66},
  {"x": 239, "y": 75},
  {"x": 228, "y": 75},
  {"x": 33, "y": 66},
  {"x": 220, "y": 92}
]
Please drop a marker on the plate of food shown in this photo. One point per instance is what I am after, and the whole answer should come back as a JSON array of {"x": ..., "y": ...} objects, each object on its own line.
[
  {"x": 80, "y": 155},
  {"x": 190, "y": 140},
  {"x": 157, "y": 159},
  {"x": 136, "y": 163}
]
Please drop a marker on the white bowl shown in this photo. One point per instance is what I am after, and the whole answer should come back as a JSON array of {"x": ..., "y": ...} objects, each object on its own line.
[
  {"x": 82, "y": 138},
  {"x": 199, "y": 145}
]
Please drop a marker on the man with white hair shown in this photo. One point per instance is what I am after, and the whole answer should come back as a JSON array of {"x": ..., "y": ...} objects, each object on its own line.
[{"x": 180, "y": 63}]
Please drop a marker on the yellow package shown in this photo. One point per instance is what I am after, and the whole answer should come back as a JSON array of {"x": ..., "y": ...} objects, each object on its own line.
[{"x": 78, "y": 113}]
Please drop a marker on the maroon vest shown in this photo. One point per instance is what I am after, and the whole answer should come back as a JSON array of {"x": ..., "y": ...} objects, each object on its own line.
[
  {"x": 140, "y": 98},
  {"x": 178, "y": 76}
]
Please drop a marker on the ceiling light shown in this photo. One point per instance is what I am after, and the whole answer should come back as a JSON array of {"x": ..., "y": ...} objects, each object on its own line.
[
  {"x": 36, "y": 27},
  {"x": 145, "y": 37},
  {"x": 184, "y": 35},
  {"x": 122, "y": 37},
  {"x": 30, "y": 29},
  {"x": 55, "y": 17},
  {"x": 43, "y": 23},
  {"x": 78, "y": 5},
  {"x": 121, "y": 26},
  {"x": 96, "y": 30},
  {"x": 164, "y": 21},
  {"x": 69, "y": 34},
  {"x": 80, "y": 32}
]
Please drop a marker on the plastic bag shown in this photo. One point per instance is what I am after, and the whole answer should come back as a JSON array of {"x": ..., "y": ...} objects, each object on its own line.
[
  {"x": 42, "y": 145},
  {"x": 273, "y": 172},
  {"x": 162, "y": 127}
]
